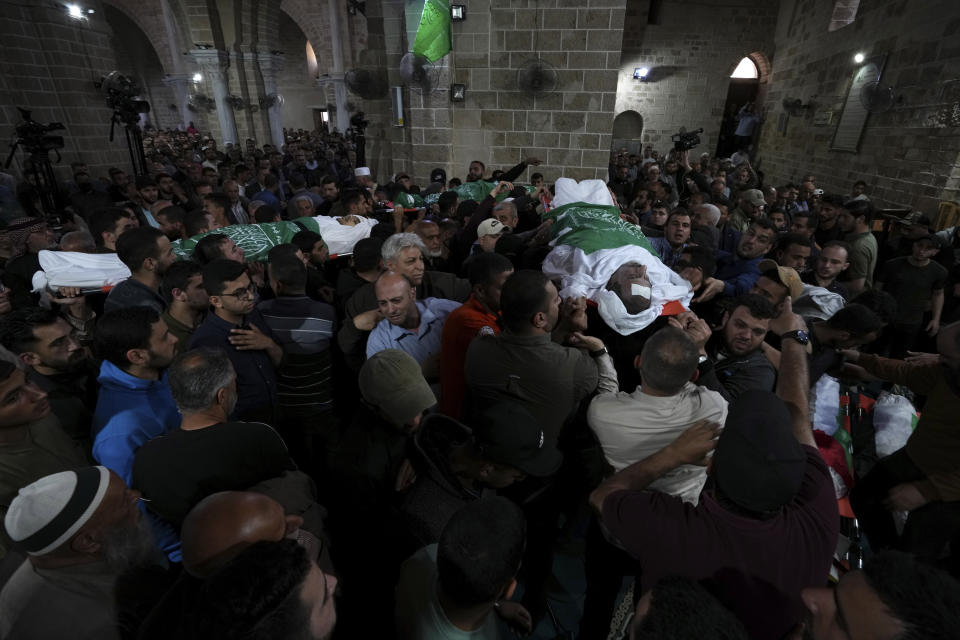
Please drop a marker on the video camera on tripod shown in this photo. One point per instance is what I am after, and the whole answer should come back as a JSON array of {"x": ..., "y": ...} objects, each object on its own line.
[
  {"x": 686, "y": 140},
  {"x": 123, "y": 96},
  {"x": 34, "y": 138}
]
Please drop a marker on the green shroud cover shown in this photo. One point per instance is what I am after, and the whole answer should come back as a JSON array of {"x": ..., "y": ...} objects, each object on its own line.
[
  {"x": 591, "y": 227},
  {"x": 256, "y": 240}
]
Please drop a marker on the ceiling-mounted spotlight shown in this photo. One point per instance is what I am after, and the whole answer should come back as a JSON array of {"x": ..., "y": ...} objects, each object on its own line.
[
  {"x": 197, "y": 77},
  {"x": 859, "y": 58}
]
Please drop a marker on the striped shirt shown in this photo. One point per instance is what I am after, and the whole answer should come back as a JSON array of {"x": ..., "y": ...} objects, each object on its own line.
[{"x": 304, "y": 328}]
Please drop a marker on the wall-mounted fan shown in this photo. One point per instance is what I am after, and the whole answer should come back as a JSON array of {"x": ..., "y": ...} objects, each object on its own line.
[
  {"x": 795, "y": 106},
  {"x": 235, "y": 102},
  {"x": 418, "y": 73},
  {"x": 198, "y": 102},
  {"x": 537, "y": 78}
]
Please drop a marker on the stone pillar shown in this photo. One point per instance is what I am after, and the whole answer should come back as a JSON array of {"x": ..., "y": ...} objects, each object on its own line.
[
  {"x": 336, "y": 49},
  {"x": 270, "y": 66},
  {"x": 214, "y": 65},
  {"x": 180, "y": 84}
]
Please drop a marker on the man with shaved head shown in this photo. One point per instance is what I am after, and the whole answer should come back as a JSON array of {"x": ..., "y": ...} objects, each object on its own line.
[
  {"x": 411, "y": 325},
  {"x": 216, "y": 530}
]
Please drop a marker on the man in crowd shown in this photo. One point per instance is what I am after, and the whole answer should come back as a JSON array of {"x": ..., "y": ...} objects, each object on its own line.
[
  {"x": 411, "y": 325},
  {"x": 304, "y": 328},
  {"x": 466, "y": 580},
  {"x": 134, "y": 405},
  {"x": 676, "y": 233},
  {"x": 32, "y": 443},
  {"x": 401, "y": 253},
  {"x": 776, "y": 283},
  {"x": 523, "y": 364},
  {"x": 187, "y": 300},
  {"x": 81, "y": 529},
  {"x": 831, "y": 263},
  {"x": 292, "y": 596},
  {"x": 148, "y": 254},
  {"x": 631, "y": 427},
  {"x": 108, "y": 224},
  {"x": 856, "y": 222},
  {"x": 828, "y": 227},
  {"x": 235, "y": 326},
  {"x": 170, "y": 221},
  {"x": 735, "y": 362},
  {"x": 917, "y": 282},
  {"x": 218, "y": 206},
  {"x": 736, "y": 273},
  {"x": 748, "y": 210},
  {"x": 479, "y": 315},
  {"x": 793, "y": 251},
  {"x": 208, "y": 453},
  {"x": 771, "y": 492},
  {"x": 893, "y": 596},
  {"x": 28, "y": 237},
  {"x": 56, "y": 363}
]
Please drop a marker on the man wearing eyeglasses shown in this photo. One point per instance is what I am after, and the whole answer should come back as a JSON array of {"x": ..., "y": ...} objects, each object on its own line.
[{"x": 237, "y": 328}]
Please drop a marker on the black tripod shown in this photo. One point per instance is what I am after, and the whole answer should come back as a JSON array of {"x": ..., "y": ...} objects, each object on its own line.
[
  {"x": 35, "y": 139},
  {"x": 134, "y": 139}
]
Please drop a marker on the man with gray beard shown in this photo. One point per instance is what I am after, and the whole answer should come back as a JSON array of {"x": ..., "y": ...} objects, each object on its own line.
[{"x": 81, "y": 529}]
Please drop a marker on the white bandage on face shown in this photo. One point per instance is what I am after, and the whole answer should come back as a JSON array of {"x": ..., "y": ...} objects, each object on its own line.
[{"x": 640, "y": 290}]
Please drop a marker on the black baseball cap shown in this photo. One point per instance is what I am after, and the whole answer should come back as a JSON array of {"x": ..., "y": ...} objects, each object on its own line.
[
  {"x": 758, "y": 463},
  {"x": 438, "y": 175},
  {"x": 509, "y": 435}
]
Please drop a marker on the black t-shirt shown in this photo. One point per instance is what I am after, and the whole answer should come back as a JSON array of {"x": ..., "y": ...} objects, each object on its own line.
[
  {"x": 912, "y": 286},
  {"x": 181, "y": 468}
]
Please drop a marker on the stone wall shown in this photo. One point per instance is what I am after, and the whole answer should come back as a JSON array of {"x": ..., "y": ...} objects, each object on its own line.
[
  {"x": 300, "y": 92},
  {"x": 908, "y": 155},
  {"x": 690, "y": 52},
  {"x": 49, "y": 63},
  {"x": 499, "y": 124}
]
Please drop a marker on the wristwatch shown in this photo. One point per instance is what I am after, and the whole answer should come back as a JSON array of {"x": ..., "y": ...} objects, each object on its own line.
[
  {"x": 799, "y": 335},
  {"x": 599, "y": 352}
]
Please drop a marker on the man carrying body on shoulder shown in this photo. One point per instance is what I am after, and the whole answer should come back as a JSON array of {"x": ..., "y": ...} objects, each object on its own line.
[
  {"x": 771, "y": 491},
  {"x": 148, "y": 254}
]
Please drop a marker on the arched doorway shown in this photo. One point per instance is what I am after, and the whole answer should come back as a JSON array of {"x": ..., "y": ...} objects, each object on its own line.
[
  {"x": 627, "y": 129},
  {"x": 745, "y": 79}
]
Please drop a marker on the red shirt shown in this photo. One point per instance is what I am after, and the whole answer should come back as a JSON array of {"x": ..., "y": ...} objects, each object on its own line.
[{"x": 462, "y": 325}]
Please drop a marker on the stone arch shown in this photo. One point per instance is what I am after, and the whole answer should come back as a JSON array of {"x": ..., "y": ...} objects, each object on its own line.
[
  {"x": 758, "y": 58},
  {"x": 315, "y": 25},
  {"x": 627, "y": 125},
  {"x": 148, "y": 16}
]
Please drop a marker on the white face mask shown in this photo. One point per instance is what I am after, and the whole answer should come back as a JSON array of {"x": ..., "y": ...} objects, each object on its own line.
[{"x": 640, "y": 290}]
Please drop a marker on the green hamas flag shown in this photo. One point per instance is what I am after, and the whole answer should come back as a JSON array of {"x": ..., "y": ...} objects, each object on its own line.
[
  {"x": 433, "y": 34},
  {"x": 592, "y": 227},
  {"x": 256, "y": 240}
]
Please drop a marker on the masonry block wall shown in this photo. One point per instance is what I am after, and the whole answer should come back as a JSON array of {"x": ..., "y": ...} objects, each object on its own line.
[
  {"x": 909, "y": 154},
  {"x": 49, "y": 63},
  {"x": 499, "y": 124},
  {"x": 300, "y": 92},
  {"x": 690, "y": 48}
]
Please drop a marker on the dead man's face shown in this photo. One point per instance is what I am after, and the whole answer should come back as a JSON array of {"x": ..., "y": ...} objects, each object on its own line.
[{"x": 632, "y": 286}]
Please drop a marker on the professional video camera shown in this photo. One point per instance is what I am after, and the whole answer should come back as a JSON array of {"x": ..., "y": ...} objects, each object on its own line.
[
  {"x": 686, "y": 140},
  {"x": 32, "y": 136},
  {"x": 122, "y": 94}
]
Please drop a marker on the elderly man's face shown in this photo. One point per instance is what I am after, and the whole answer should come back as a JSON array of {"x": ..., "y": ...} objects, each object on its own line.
[
  {"x": 409, "y": 262},
  {"x": 42, "y": 238},
  {"x": 507, "y": 216},
  {"x": 430, "y": 234},
  {"x": 305, "y": 207}
]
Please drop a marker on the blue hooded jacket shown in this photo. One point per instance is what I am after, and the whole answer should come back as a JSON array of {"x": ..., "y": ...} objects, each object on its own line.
[{"x": 130, "y": 412}]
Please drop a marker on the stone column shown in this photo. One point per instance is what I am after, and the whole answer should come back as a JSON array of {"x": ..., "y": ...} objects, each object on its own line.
[
  {"x": 270, "y": 66},
  {"x": 180, "y": 85},
  {"x": 214, "y": 65},
  {"x": 336, "y": 49}
]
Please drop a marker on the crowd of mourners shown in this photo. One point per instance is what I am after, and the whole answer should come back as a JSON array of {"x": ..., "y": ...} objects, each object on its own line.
[{"x": 401, "y": 440}]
